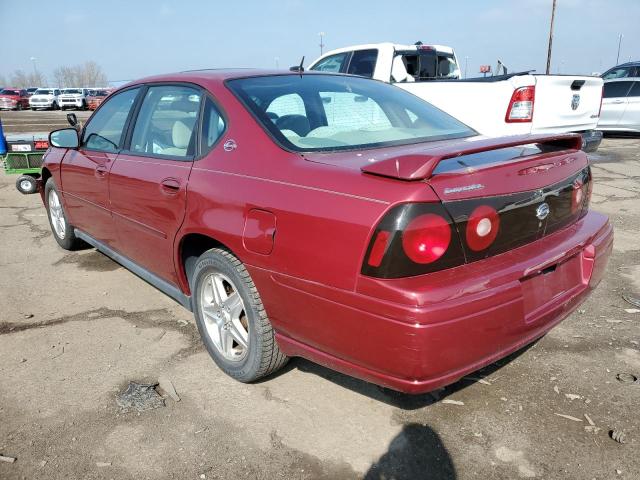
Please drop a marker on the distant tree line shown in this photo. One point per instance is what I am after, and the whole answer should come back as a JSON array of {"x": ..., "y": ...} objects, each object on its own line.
[{"x": 88, "y": 74}]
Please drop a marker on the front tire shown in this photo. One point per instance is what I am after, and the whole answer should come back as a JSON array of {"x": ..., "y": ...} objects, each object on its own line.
[
  {"x": 63, "y": 232},
  {"x": 231, "y": 318}
]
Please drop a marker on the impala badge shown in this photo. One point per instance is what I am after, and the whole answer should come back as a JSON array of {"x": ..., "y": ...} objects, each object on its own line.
[
  {"x": 575, "y": 102},
  {"x": 542, "y": 211}
]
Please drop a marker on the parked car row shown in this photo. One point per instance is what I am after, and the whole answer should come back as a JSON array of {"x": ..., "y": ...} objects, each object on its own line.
[{"x": 52, "y": 98}]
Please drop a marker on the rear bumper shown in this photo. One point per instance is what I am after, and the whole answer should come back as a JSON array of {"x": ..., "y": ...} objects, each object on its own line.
[
  {"x": 591, "y": 140},
  {"x": 420, "y": 333}
]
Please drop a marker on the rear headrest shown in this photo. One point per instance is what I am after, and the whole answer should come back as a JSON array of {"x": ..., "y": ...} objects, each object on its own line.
[{"x": 181, "y": 132}]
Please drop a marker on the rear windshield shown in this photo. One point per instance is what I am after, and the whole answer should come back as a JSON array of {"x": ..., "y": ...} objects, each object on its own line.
[
  {"x": 429, "y": 64},
  {"x": 6, "y": 91},
  {"x": 43, "y": 91},
  {"x": 72, "y": 90},
  {"x": 320, "y": 112}
]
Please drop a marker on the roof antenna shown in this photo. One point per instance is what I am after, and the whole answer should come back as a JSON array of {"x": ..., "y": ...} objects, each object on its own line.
[{"x": 298, "y": 68}]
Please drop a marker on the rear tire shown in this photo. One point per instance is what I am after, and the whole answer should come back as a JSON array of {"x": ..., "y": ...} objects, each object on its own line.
[
  {"x": 233, "y": 306},
  {"x": 63, "y": 232},
  {"x": 19, "y": 107}
]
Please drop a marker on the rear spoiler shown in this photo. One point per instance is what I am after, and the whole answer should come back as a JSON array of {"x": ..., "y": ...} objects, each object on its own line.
[{"x": 421, "y": 166}]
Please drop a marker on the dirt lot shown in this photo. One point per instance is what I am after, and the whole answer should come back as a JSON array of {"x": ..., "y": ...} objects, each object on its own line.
[{"x": 75, "y": 328}]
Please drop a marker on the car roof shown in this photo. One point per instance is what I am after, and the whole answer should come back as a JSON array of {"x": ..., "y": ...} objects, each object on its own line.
[
  {"x": 215, "y": 75},
  {"x": 622, "y": 79}
]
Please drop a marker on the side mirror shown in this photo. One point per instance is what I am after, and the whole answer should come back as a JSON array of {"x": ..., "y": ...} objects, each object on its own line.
[
  {"x": 65, "y": 138},
  {"x": 72, "y": 119}
]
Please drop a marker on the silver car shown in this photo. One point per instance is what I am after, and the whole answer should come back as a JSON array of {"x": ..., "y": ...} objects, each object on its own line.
[{"x": 620, "y": 105}]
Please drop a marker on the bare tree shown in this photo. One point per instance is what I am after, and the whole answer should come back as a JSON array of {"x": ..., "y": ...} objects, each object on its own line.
[
  {"x": 89, "y": 74},
  {"x": 64, "y": 77},
  {"x": 20, "y": 79}
]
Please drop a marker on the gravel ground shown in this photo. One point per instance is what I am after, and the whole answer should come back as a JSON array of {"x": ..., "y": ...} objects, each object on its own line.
[{"x": 75, "y": 328}]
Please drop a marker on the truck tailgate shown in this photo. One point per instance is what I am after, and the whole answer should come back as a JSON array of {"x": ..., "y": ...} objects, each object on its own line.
[{"x": 566, "y": 103}]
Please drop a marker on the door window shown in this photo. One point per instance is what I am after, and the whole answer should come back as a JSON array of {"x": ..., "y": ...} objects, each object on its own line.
[
  {"x": 363, "y": 63},
  {"x": 334, "y": 63},
  {"x": 621, "y": 72},
  {"x": 166, "y": 124},
  {"x": 635, "y": 90},
  {"x": 616, "y": 89},
  {"x": 104, "y": 131}
]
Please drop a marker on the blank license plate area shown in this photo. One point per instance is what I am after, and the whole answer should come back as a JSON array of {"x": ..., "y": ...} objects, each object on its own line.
[
  {"x": 21, "y": 148},
  {"x": 550, "y": 284}
]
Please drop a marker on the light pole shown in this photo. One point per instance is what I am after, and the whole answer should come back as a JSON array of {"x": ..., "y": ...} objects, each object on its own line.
[
  {"x": 553, "y": 15},
  {"x": 35, "y": 68},
  {"x": 620, "y": 37},
  {"x": 277, "y": 59},
  {"x": 321, "y": 35},
  {"x": 466, "y": 64}
]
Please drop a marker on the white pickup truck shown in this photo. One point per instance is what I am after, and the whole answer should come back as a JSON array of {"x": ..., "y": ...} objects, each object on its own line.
[{"x": 509, "y": 104}]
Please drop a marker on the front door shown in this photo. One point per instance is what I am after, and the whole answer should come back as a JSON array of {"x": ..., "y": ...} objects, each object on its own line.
[
  {"x": 148, "y": 182},
  {"x": 631, "y": 117},
  {"x": 85, "y": 171}
]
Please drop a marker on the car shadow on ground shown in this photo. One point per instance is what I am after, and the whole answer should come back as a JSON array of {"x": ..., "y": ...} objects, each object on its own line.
[
  {"x": 391, "y": 397},
  {"x": 416, "y": 452}
]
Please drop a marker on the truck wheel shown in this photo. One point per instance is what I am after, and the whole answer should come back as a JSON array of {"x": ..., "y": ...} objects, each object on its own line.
[
  {"x": 26, "y": 184},
  {"x": 62, "y": 231},
  {"x": 33, "y": 109},
  {"x": 231, "y": 318}
]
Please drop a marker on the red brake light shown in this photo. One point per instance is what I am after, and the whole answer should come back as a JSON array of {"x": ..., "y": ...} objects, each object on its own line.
[
  {"x": 521, "y": 105},
  {"x": 426, "y": 238},
  {"x": 482, "y": 227},
  {"x": 41, "y": 145}
]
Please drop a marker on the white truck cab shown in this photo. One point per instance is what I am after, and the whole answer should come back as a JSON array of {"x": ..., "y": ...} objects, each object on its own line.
[
  {"x": 46, "y": 98},
  {"x": 509, "y": 104},
  {"x": 73, "y": 98}
]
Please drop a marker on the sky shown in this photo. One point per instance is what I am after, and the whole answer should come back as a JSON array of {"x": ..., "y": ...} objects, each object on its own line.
[{"x": 130, "y": 39}]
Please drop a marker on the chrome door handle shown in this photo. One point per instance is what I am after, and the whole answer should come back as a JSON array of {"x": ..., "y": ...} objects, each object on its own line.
[{"x": 170, "y": 186}]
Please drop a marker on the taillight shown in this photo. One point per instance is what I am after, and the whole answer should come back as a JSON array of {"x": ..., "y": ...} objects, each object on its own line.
[
  {"x": 482, "y": 227},
  {"x": 601, "y": 97},
  {"x": 521, "y": 105},
  {"x": 577, "y": 195},
  {"x": 412, "y": 239}
]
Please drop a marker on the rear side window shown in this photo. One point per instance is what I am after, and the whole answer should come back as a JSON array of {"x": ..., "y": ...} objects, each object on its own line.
[
  {"x": 166, "y": 124},
  {"x": 103, "y": 133},
  {"x": 616, "y": 89},
  {"x": 212, "y": 125},
  {"x": 335, "y": 63},
  {"x": 363, "y": 63}
]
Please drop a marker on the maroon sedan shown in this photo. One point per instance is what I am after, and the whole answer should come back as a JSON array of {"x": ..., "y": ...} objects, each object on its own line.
[{"x": 331, "y": 217}]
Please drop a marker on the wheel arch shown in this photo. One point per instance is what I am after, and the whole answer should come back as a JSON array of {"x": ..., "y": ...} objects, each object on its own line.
[{"x": 190, "y": 247}]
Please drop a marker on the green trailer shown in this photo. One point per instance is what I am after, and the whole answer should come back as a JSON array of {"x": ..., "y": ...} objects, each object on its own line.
[{"x": 24, "y": 158}]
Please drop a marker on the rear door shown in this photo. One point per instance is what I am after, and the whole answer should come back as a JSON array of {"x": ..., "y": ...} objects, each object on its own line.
[
  {"x": 148, "y": 184},
  {"x": 566, "y": 103},
  {"x": 614, "y": 102},
  {"x": 630, "y": 119}
]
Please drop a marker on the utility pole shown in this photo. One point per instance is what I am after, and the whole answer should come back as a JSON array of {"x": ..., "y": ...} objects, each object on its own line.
[
  {"x": 321, "y": 34},
  {"x": 466, "y": 64},
  {"x": 553, "y": 15},
  {"x": 620, "y": 37}
]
